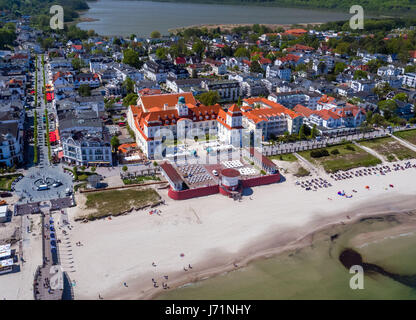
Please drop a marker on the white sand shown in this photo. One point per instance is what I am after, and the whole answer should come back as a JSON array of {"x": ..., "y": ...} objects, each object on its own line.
[{"x": 215, "y": 231}]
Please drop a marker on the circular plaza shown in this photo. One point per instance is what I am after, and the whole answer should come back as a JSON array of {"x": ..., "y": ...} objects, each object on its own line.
[{"x": 43, "y": 184}]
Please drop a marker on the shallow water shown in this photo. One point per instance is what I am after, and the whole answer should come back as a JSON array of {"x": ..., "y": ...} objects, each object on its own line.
[
  {"x": 121, "y": 17},
  {"x": 315, "y": 272}
]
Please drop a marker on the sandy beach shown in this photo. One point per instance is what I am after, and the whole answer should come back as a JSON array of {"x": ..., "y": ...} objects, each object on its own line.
[{"x": 214, "y": 233}]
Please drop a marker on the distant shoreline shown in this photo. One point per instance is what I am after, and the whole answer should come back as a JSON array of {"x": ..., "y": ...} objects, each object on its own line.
[{"x": 229, "y": 26}]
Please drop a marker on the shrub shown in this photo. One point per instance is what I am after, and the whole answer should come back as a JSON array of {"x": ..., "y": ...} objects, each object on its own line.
[
  {"x": 335, "y": 152},
  {"x": 349, "y": 147},
  {"x": 82, "y": 177},
  {"x": 319, "y": 153}
]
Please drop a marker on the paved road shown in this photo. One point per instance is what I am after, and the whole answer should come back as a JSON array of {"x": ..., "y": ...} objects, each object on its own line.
[
  {"x": 44, "y": 281},
  {"x": 308, "y": 165}
]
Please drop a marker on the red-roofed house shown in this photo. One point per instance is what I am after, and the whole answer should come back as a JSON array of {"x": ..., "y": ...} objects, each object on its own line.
[
  {"x": 413, "y": 55},
  {"x": 289, "y": 59},
  {"x": 349, "y": 116},
  {"x": 270, "y": 117},
  {"x": 180, "y": 61},
  {"x": 300, "y": 48},
  {"x": 77, "y": 48},
  {"x": 218, "y": 67},
  {"x": 295, "y": 32}
]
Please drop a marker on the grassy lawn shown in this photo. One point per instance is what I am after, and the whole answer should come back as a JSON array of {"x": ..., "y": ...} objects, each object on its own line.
[
  {"x": 390, "y": 148},
  {"x": 349, "y": 156},
  {"x": 284, "y": 157},
  {"x": 140, "y": 179},
  {"x": 6, "y": 181},
  {"x": 409, "y": 135},
  {"x": 115, "y": 202}
]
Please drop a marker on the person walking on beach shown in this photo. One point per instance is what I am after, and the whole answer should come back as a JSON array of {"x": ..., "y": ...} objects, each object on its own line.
[
  {"x": 189, "y": 266},
  {"x": 125, "y": 284}
]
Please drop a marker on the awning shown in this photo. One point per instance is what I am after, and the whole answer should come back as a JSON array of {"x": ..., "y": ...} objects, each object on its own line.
[{"x": 54, "y": 136}]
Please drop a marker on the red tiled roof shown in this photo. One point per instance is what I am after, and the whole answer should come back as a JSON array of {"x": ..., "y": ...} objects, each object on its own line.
[
  {"x": 171, "y": 172},
  {"x": 180, "y": 60},
  {"x": 170, "y": 99},
  {"x": 326, "y": 114},
  {"x": 299, "y": 47},
  {"x": 265, "y": 61},
  {"x": 304, "y": 111},
  {"x": 230, "y": 173},
  {"x": 295, "y": 32},
  {"x": 290, "y": 57},
  {"x": 124, "y": 148},
  {"x": 272, "y": 109}
]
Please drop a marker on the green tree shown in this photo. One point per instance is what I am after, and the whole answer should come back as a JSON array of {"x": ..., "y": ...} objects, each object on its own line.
[
  {"x": 132, "y": 58},
  {"x": 209, "y": 98},
  {"x": 360, "y": 74},
  {"x": 255, "y": 67},
  {"x": 242, "y": 53},
  {"x": 198, "y": 47},
  {"x": 128, "y": 84},
  {"x": 339, "y": 67},
  {"x": 84, "y": 90},
  {"x": 115, "y": 143},
  {"x": 130, "y": 99},
  {"x": 155, "y": 34},
  {"x": 314, "y": 132},
  {"x": 302, "y": 134},
  {"x": 162, "y": 53},
  {"x": 401, "y": 96},
  {"x": 388, "y": 108},
  {"x": 78, "y": 63}
]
